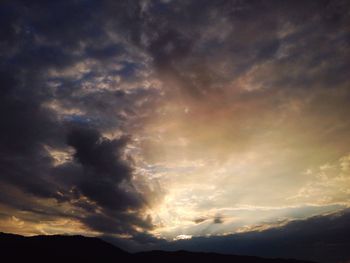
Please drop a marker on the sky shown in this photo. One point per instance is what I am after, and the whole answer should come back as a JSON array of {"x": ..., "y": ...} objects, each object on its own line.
[{"x": 176, "y": 124}]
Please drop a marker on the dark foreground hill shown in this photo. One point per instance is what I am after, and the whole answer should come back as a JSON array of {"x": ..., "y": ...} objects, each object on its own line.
[{"x": 15, "y": 248}]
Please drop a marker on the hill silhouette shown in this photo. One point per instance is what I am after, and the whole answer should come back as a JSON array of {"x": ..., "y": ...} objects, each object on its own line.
[{"x": 60, "y": 248}]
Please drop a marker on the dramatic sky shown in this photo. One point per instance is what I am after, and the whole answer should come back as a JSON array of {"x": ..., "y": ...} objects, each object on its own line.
[{"x": 158, "y": 121}]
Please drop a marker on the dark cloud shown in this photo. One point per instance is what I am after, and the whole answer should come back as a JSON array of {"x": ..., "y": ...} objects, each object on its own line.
[
  {"x": 25, "y": 127},
  {"x": 105, "y": 179},
  {"x": 320, "y": 238},
  {"x": 202, "y": 50},
  {"x": 199, "y": 220},
  {"x": 218, "y": 220},
  {"x": 41, "y": 44}
]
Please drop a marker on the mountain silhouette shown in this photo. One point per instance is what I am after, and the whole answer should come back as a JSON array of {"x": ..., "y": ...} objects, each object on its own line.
[{"x": 60, "y": 248}]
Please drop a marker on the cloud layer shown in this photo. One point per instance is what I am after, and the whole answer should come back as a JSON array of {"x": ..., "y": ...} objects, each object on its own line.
[
  {"x": 170, "y": 119},
  {"x": 320, "y": 239}
]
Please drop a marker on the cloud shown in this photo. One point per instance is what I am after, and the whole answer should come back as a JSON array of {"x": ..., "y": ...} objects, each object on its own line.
[
  {"x": 106, "y": 180},
  {"x": 322, "y": 238},
  {"x": 61, "y": 92},
  {"x": 327, "y": 183},
  {"x": 218, "y": 220},
  {"x": 144, "y": 118},
  {"x": 199, "y": 220},
  {"x": 257, "y": 93}
]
